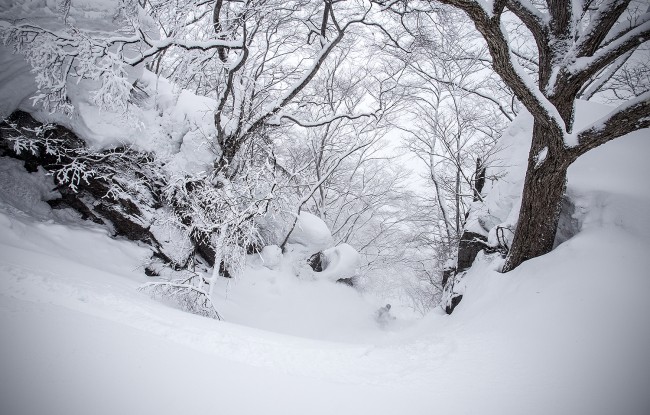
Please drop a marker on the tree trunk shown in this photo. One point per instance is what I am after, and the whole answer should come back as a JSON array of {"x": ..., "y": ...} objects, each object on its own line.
[
  {"x": 541, "y": 199},
  {"x": 224, "y": 164}
]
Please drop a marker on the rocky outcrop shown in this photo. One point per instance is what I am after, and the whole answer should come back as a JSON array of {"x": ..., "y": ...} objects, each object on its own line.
[
  {"x": 470, "y": 245},
  {"x": 316, "y": 262},
  {"x": 455, "y": 300},
  {"x": 120, "y": 190}
]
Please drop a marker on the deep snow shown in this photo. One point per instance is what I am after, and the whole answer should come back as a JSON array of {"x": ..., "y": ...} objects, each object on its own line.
[{"x": 566, "y": 333}]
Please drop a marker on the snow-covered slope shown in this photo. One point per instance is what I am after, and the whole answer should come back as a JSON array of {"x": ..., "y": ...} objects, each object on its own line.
[{"x": 566, "y": 333}]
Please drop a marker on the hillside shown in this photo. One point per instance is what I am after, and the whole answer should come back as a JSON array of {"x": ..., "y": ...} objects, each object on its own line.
[{"x": 564, "y": 333}]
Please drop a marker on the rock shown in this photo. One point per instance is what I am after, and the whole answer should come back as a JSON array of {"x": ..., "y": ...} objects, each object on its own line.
[
  {"x": 453, "y": 303},
  {"x": 339, "y": 262},
  {"x": 447, "y": 274},
  {"x": 91, "y": 197},
  {"x": 316, "y": 261},
  {"x": 469, "y": 246},
  {"x": 347, "y": 281}
]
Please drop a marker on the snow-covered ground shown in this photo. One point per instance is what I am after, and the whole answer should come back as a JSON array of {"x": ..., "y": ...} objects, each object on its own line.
[{"x": 567, "y": 333}]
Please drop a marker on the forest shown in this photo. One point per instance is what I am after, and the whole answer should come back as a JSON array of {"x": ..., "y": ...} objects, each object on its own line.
[{"x": 329, "y": 206}]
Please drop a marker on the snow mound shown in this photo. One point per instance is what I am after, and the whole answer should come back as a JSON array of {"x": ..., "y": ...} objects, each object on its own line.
[
  {"x": 25, "y": 194},
  {"x": 160, "y": 117},
  {"x": 271, "y": 256},
  {"x": 341, "y": 261},
  {"x": 311, "y": 233}
]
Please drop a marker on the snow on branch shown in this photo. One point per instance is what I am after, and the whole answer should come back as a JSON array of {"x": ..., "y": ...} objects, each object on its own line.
[
  {"x": 70, "y": 53},
  {"x": 505, "y": 63},
  {"x": 629, "y": 116},
  {"x": 589, "y": 65},
  {"x": 186, "y": 292},
  {"x": 319, "y": 123},
  {"x": 600, "y": 25}
]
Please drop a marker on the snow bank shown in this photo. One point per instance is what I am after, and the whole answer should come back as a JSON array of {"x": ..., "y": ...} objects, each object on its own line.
[
  {"x": 25, "y": 194},
  {"x": 501, "y": 205}
]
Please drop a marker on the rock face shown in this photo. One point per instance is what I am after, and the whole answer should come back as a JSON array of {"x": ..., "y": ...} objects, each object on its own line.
[
  {"x": 316, "y": 262},
  {"x": 110, "y": 195},
  {"x": 449, "y": 308},
  {"x": 447, "y": 273},
  {"x": 469, "y": 246},
  {"x": 347, "y": 281}
]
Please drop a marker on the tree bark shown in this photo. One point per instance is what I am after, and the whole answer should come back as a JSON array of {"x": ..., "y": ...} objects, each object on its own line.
[{"x": 544, "y": 187}]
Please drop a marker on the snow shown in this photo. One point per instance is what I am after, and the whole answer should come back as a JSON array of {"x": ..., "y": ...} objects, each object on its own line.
[
  {"x": 311, "y": 233},
  {"x": 271, "y": 256},
  {"x": 541, "y": 157},
  {"x": 504, "y": 195},
  {"x": 341, "y": 261},
  {"x": 16, "y": 82},
  {"x": 175, "y": 124},
  {"x": 563, "y": 333}
]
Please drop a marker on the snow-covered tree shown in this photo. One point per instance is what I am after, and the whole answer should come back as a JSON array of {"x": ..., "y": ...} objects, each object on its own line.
[
  {"x": 254, "y": 60},
  {"x": 456, "y": 114},
  {"x": 578, "y": 45}
]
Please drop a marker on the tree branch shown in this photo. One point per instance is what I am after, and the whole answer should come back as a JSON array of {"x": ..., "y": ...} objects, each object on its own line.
[
  {"x": 602, "y": 22},
  {"x": 630, "y": 116},
  {"x": 504, "y": 64}
]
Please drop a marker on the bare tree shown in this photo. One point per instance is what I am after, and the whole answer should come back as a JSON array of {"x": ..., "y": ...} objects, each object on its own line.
[
  {"x": 457, "y": 110},
  {"x": 576, "y": 42}
]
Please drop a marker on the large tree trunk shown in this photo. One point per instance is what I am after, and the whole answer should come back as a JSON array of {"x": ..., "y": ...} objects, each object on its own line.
[{"x": 544, "y": 186}]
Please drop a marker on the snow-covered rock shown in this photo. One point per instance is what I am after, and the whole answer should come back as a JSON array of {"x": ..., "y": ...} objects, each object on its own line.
[
  {"x": 271, "y": 256},
  {"x": 311, "y": 233},
  {"x": 339, "y": 262}
]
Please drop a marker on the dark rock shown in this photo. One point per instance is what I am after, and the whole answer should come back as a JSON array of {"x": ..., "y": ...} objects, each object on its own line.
[
  {"x": 89, "y": 198},
  {"x": 72, "y": 200},
  {"x": 149, "y": 272},
  {"x": 103, "y": 197},
  {"x": 347, "y": 281},
  {"x": 316, "y": 261},
  {"x": 447, "y": 274},
  {"x": 223, "y": 270},
  {"x": 254, "y": 248},
  {"x": 205, "y": 250},
  {"x": 453, "y": 303},
  {"x": 123, "y": 224},
  {"x": 469, "y": 246}
]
